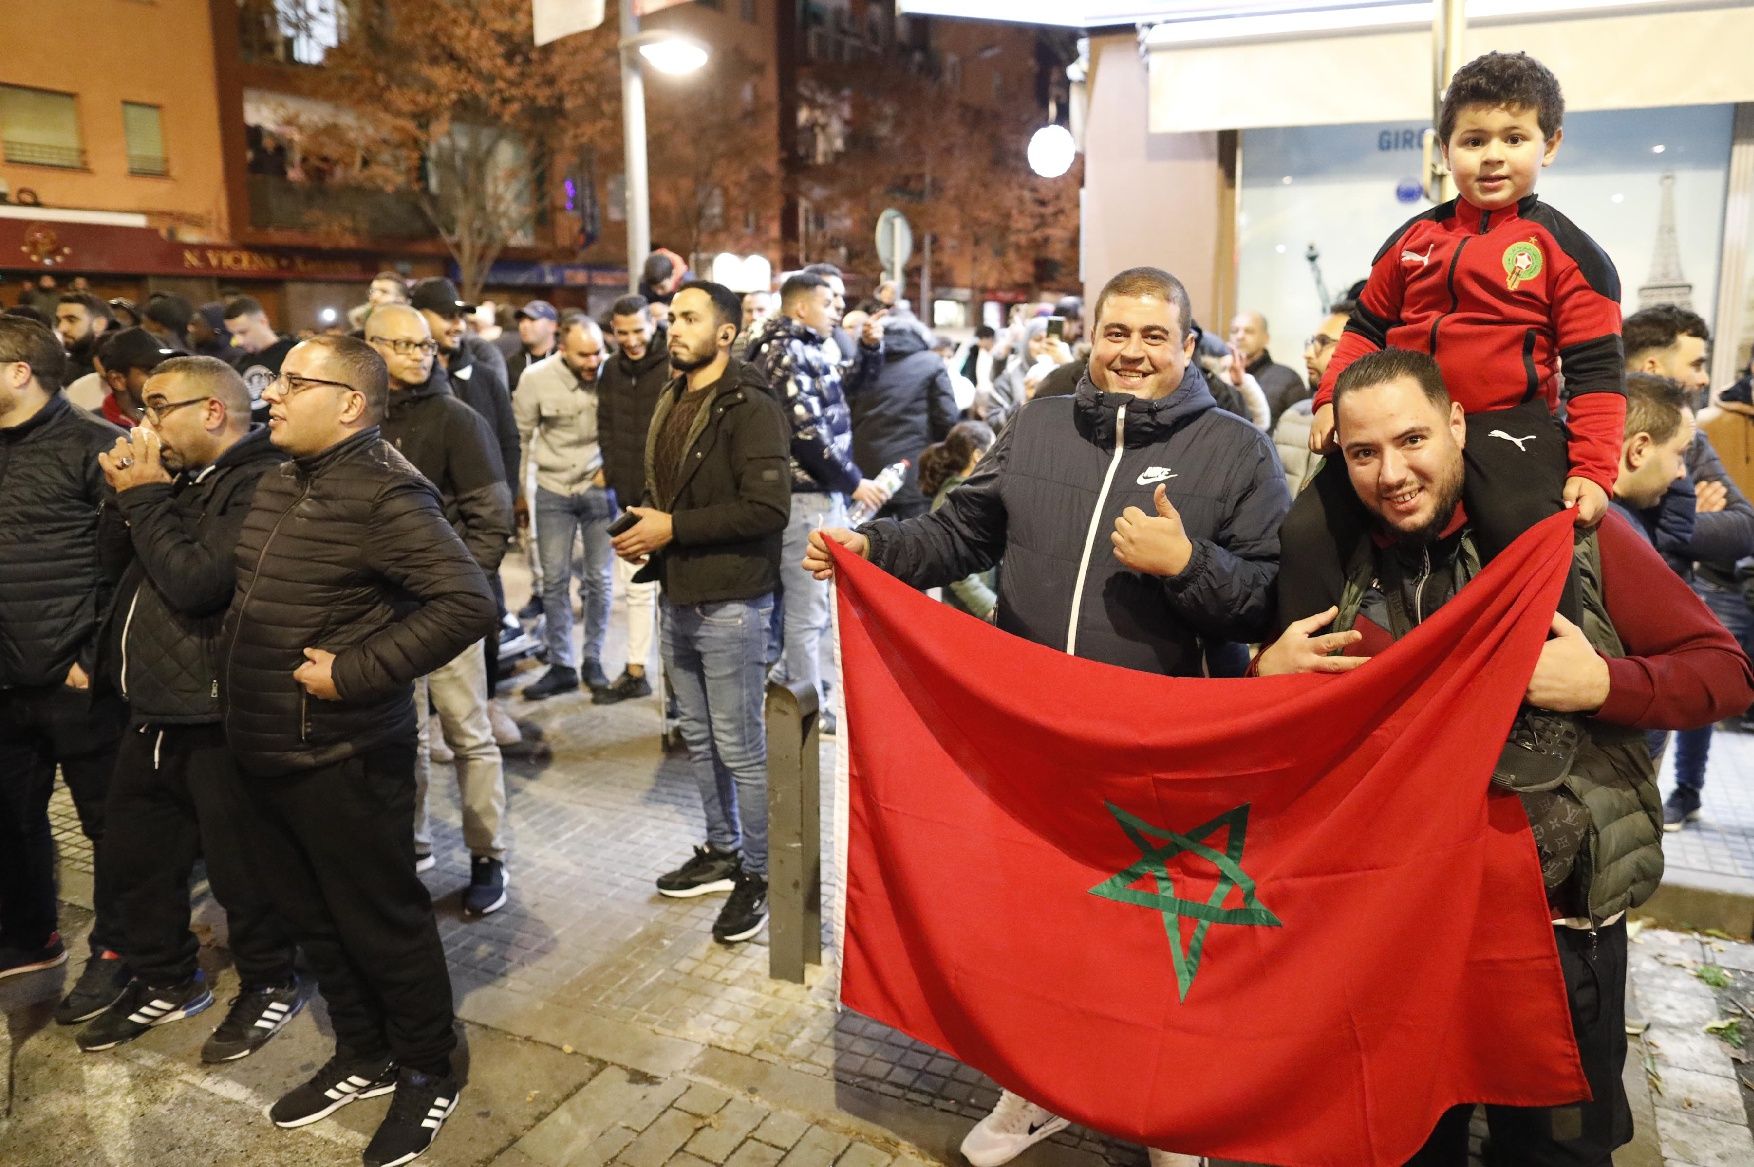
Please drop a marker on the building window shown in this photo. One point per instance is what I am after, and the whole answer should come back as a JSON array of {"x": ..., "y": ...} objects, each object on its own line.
[
  {"x": 953, "y": 71},
  {"x": 308, "y": 28},
  {"x": 40, "y": 128},
  {"x": 144, "y": 128}
]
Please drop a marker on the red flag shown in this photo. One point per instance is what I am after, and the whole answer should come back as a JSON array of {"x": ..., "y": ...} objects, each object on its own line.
[{"x": 1273, "y": 919}]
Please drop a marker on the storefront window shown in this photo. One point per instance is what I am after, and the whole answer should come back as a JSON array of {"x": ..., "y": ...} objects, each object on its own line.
[{"x": 1648, "y": 185}]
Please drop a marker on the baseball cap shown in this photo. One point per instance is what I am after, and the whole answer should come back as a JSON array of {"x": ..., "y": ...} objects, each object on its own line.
[
  {"x": 437, "y": 294},
  {"x": 538, "y": 310},
  {"x": 134, "y": 348}
]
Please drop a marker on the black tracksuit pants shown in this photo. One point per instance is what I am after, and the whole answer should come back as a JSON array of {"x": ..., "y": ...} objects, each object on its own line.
[
  {"x": 1583, "y": 1134},
  {"x": 43, "y": 727},
  {"x": 176, "y": 795},
  {"x": 1517, "y": 463},
  {"x": 335, "y": 852}
]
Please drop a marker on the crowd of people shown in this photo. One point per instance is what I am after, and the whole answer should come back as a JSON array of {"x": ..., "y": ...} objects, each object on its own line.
[{"x": 249, "y": 583}]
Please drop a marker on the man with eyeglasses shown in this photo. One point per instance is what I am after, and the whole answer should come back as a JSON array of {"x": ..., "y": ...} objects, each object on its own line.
[
  {"x": 1291, "y": 431},
  {"x": 450, "y": 444},
  {"x": 52, "y": 595},
  {"x": 183, "y": 479},
  {"x": 351, "y": 583}
]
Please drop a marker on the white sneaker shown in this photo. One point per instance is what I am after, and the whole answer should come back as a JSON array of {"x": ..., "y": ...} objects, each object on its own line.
[
  {"x": 1015, "y": 1125},
  {"x": 1169, "y": 1159},
  {"x": 505, "y": 730}
]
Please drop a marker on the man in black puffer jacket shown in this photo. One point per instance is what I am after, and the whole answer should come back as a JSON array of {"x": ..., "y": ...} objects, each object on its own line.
[
  {"x": 909, "y": 405},
  {"x": 351, "y": 583},
  {"x": 627, "y": 392},
  {"x": 52, "y": 596},
  {"x": 450, "y": 444},
  {"x": 1135, "y": 520},
  {"x": 170, "y": 544}
]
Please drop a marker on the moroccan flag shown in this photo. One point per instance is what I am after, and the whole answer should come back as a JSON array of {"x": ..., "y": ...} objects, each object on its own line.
[{"x": 1283, "y": 920}]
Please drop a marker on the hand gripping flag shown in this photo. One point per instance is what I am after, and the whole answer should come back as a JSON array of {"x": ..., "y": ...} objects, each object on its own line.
[{"x": 1283, "y": 920}]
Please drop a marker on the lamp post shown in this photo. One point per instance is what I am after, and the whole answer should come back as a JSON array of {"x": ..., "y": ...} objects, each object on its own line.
[{"x": 668, "y": 53}]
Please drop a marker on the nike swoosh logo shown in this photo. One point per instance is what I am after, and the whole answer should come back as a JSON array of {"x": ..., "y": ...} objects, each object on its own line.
[{"x": 1155, "y": 474}]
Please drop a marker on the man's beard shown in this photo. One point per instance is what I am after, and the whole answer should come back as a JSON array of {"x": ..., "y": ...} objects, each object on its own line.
[
  {"x": 689, "y": 362},
  {"x": 1433, "y": 530}
]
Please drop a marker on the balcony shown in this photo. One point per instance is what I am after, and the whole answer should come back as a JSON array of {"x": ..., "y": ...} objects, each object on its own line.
[
  {"x": 38, "y": 154},
  {"x": 340, "y": 211}
]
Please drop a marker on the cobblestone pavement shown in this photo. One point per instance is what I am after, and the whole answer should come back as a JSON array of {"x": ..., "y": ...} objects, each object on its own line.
[{"x": 640, "y": 1040}]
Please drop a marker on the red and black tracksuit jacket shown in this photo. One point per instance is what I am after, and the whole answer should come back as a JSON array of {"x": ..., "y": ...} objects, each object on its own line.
[{"x": 1500, "y": 298}]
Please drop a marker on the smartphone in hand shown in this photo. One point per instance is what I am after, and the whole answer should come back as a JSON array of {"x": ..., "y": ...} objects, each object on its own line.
[{"x": 627, "y": 522}]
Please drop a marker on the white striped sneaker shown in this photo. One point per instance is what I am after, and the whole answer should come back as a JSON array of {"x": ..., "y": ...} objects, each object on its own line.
[
  {"x": 140, "y": 1008},
  {"x": 423, "y": 1102},
  {"x": 342, "y": 1079},
  {"x": 255, "y": 1016}
]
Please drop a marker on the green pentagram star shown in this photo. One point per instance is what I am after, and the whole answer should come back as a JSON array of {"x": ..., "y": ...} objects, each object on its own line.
[{"x": 1153, "y": 862}]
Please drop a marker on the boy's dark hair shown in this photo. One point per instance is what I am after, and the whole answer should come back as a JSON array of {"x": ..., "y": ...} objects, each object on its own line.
[
  {"x": 32, "y": 344},
  {"x": 1503, "y": 79},
  {"x": 1653, "y": 406},
  {"x": 632, "y": 305},
  {"x": 242, "y": 306},
  {"x": 1659, "y": 327},
  {"x": 1391, "y": 364}
]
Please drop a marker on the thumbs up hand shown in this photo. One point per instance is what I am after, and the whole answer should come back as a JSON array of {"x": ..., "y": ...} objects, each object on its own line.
[{"x": 1154, "y": 544}]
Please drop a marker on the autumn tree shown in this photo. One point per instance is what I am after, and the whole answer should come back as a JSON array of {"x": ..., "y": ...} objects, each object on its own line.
[{"x": 452, "y": 101}]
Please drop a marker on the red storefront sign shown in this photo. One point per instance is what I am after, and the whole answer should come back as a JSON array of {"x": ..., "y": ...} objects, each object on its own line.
[{"x": 36, "y": 245}]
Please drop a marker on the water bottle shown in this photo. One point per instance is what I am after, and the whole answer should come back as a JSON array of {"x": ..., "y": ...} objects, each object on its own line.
[{"x": 888, "y": 482}]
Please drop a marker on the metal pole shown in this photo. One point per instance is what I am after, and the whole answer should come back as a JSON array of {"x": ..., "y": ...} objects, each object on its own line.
[
  {"x": 1449, "y": 21},
  {"x": 925, "y": 312},
  {"x": 633, "y": 133}
]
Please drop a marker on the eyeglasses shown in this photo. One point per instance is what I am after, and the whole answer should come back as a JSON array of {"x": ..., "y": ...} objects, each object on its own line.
[
  {"x": 291, "y": 384},
  {"x": 405, "y": 348},
  {"x": 1319, "y": 342},
  {"x": 155, "y": 411}
]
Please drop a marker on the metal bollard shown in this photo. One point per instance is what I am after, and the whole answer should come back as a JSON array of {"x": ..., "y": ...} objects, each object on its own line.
[{"x": 794, "y": 831}]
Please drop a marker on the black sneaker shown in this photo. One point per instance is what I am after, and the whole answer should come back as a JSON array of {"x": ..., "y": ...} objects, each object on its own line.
[
  {"x": 558, "y": 679},
  {"x": 104, "y": 979},
  {"x": 255, "y": 1016},
  {"x": 139, "y": 1008},
  {"x": 745, "y": 912},
  {"x": 419, "y": 1110},
  {"x": 488, "y": 880},
  {"x": 342, "y": 1079},
  {"x": 594, "y": 677},
  {"x": 1679, "y": 810},
  {"x": 707, "y": 871},
  {"x": 626, "y": 687},
  {"x": 532, "y": 609},
  {"x": 16, "y": 961}
]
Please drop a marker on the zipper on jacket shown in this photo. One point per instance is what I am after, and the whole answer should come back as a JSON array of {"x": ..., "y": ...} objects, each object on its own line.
[
  {"x": 304, "y": 717},
  {"x": 1095, "y": 524},
  {"x": 1450, "y": 284},
  {"x": 1419, "y": 588},
  {"x": 244, "y": 607},
  {"x": 127, "y": 624}
]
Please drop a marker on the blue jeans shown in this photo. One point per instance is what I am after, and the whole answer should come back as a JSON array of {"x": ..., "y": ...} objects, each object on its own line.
[
  {"x": 808, "y": 611},
  {"x": 1693, "y": 746},
  {"x": 713, "y": 654},
  {"x": 559, "y": 517}
]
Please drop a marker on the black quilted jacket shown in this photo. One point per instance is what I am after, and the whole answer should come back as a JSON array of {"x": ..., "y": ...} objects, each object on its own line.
[
  {"x": 346, "y": 551},
  {"x": 172, "y": 547},
  {"x": 627, "y": 393},
  {"x": 52, "y": 593}
]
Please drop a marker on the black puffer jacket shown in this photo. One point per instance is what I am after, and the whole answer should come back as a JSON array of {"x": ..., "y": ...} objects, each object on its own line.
[
  {"x": 480, "y": 384},
  {"x": 791, "y": 359},
  {"x": 452, "y": 445},
  {"x": 627, "y": 393},
  {"x": 1045, "y": 498},
  {"x": 350, "y": 552},
  {"x": 177, "y": 568},
  {"x": 52, "y": 592},
  {"x": 734, "y": 497},
  {"x": 905, "y": 408}
]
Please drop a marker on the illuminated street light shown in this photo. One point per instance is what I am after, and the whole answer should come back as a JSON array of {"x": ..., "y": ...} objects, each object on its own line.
[
  {"x": 1051, "y": 151},
  {"x": 675, "y": 56}
]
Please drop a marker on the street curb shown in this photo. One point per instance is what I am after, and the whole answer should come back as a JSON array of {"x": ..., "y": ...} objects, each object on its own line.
[{"x": 1702, "y": 901}]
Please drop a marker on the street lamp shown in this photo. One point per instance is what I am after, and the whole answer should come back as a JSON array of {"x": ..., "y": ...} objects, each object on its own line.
[
  {"x": 668, "y": 53},
  {"x": 1051, "y": 151}
]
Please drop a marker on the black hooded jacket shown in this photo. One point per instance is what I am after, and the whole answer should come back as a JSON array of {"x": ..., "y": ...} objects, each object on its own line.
[
  {"x": 627, "y": 393},
  {"x": 452, "y": 445},
  {"x": 1044, "y": 499},
  {"x": 480, "y": 384},
  {"x": 346, "y": 551},
  {"x": 909, "y": 405}
]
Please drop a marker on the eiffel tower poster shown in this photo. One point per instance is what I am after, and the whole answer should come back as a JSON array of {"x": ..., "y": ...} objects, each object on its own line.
[{"x": 1666, "y": 284}]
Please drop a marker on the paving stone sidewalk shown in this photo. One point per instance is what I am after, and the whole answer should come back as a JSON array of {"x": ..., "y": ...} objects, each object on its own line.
[{"x": 605, "y": 1025}]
